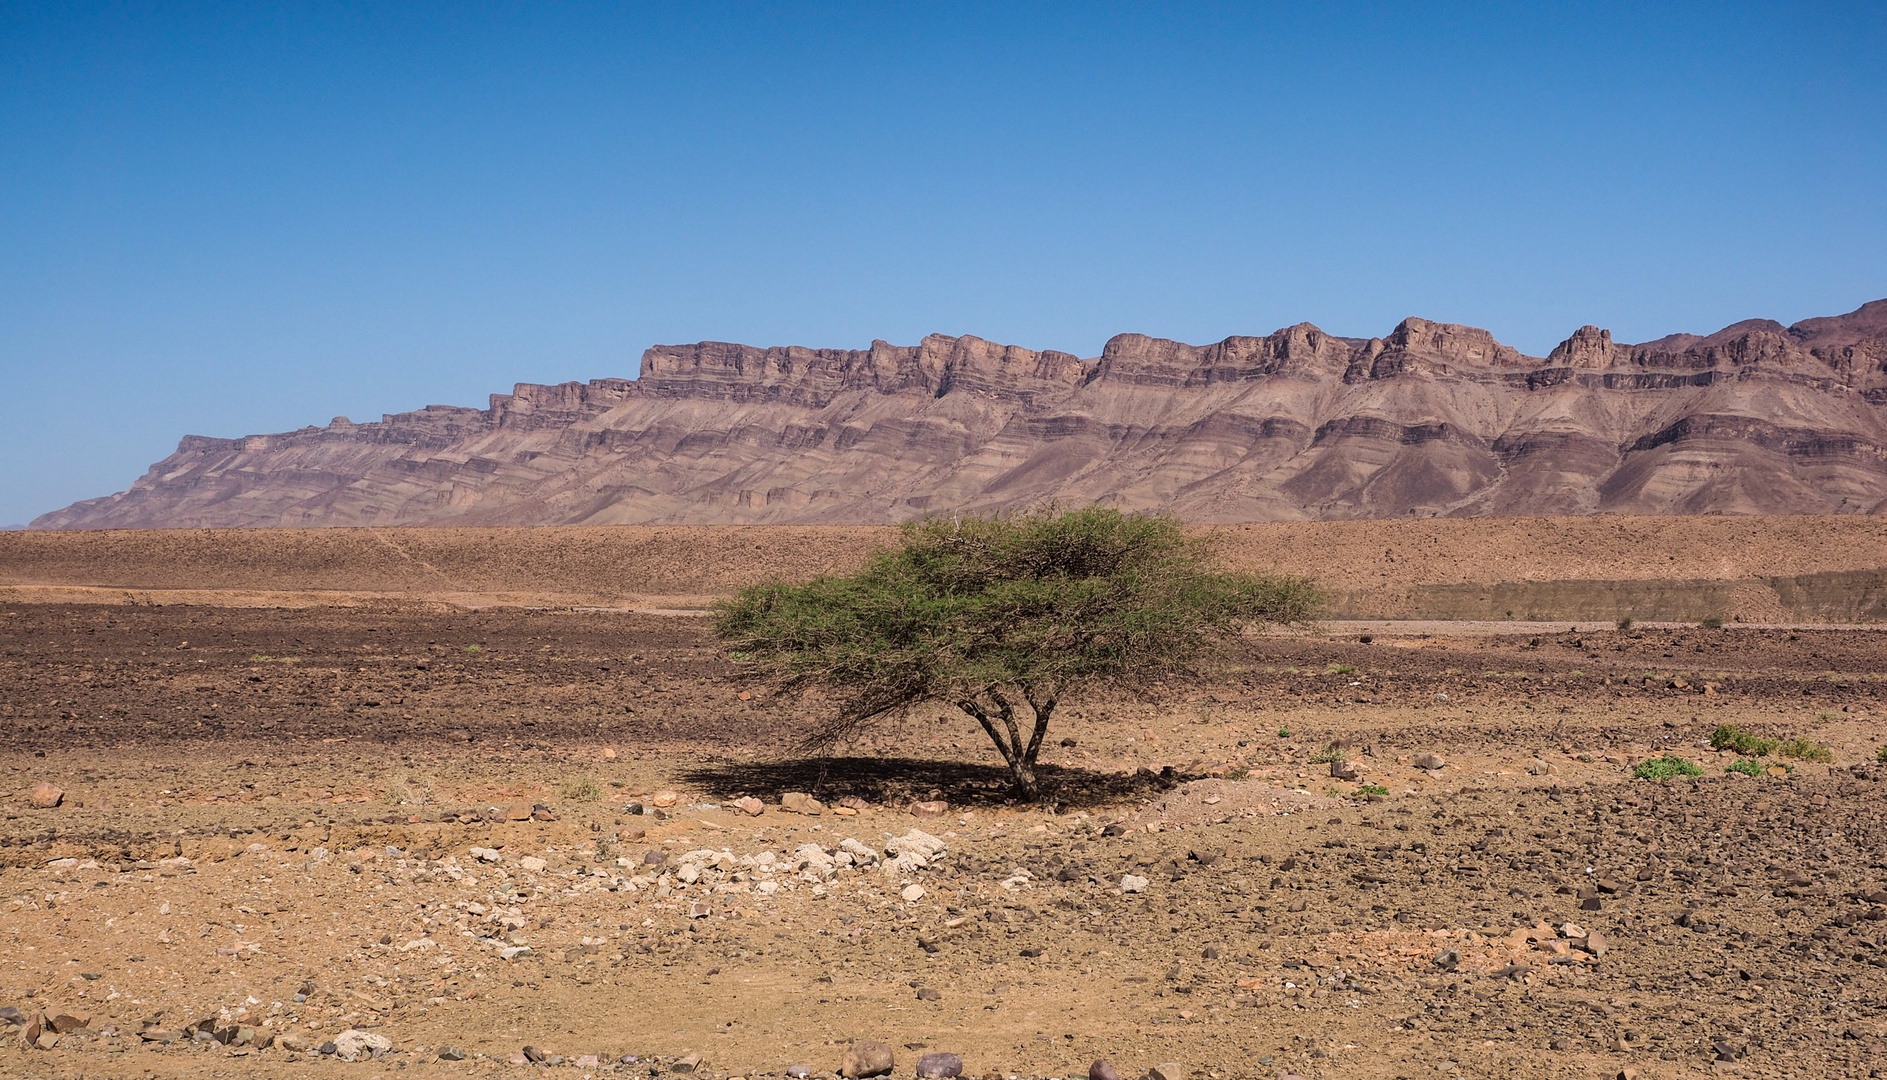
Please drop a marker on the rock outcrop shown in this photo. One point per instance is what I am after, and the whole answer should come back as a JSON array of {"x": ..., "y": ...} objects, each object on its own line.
[{"x": 1434, "y": 419}]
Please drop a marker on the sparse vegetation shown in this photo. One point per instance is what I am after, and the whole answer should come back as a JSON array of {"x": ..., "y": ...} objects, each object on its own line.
[
  {"x": 583, "y": 788},
  {"x": 474, "y": 648},
  {"x": 1805, "y": 750},
  {"x": 1371, "y": 789},
  {"x": 989, "y": 614},
  {"x": 1666, "y": 767},
  {"x": 1710, "y": 622},
  {"x": 1730, "y": 737},
  {"x": 1284, "y": 733},
  {"x": 1331, "y": 752},
  {"x": 1748, "y": 767},
  {"x": 1827, "y": 717},
  {"x": 1342, "y": 669},
  {"x": 1881, "y": 755},
  {"x": 1624, "y": 623},
  {"x": 1239, "y": 773}
]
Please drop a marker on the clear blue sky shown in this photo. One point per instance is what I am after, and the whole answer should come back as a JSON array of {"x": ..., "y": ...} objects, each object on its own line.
[{"x": 232, "y": 219}]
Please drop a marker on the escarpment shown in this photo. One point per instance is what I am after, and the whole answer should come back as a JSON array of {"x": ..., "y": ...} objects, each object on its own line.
[{"x": 1432, "y": 419}]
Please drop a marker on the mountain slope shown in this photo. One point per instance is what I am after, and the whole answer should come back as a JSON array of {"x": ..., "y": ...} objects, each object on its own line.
[{"x": 1434, "y": 419}]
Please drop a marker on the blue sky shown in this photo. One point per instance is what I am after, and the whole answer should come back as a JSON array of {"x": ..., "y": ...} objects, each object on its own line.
[{"x": 225, "y": 219}]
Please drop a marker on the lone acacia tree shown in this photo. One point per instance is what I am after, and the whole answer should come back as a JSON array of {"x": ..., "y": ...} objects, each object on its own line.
[{"x": 988, "y": 613}]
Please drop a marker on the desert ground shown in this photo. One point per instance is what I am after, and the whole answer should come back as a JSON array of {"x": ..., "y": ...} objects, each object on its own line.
[{"x": 307, "y": 803}]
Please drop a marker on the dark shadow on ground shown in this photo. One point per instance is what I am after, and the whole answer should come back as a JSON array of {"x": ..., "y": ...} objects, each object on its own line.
[{"x": 900, "y": 780}]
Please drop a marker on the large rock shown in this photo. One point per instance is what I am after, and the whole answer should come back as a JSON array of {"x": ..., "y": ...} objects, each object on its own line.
[
  {"x": 45, "y": 796},
  {"x": 1431, "y": 418},
  {"x": 867, "y": 1058},
  {"x": 798, "y": 802}
]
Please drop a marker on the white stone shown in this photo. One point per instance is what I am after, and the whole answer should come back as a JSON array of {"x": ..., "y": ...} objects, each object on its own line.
[
  {"x": 1133, "y": 883},
  {"x": 912, "y": 893}
]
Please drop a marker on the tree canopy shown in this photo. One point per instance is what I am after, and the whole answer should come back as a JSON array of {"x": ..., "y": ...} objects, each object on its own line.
[{"x": 989, "y": 613}]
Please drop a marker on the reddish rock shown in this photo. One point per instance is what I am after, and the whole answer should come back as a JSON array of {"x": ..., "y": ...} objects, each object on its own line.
[{"x": 45, "y": 796}]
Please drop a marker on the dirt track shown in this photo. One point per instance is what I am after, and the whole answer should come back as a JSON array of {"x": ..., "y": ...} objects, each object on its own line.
[{"x": 327, "y": 771}]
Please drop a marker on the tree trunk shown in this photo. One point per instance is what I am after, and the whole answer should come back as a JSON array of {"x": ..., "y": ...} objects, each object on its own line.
[{"x": 1020, "y": 756}]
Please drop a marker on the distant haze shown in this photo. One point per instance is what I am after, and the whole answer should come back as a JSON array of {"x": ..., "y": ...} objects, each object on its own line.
[{"x": 234, "y": 219}]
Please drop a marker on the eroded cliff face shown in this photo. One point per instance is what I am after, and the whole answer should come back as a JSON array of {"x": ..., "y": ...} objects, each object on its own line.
[{"x": 1432, "y": 419}]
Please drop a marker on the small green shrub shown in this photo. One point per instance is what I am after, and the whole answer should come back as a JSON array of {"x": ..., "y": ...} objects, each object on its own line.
[
  {"x": 1711, "y": 623},
  {"x": 474, "y": 648},
  {"x": 1664, "y": 768},
  {"x": 1881, "y": 756},
  {"x": 1748, "y": 767},
  {"x": 584, "y": 788},
  {"x": 1625, "y": 623},
  {"x": 1730, "y": 737},
  {"x": 1240, "y": 773},
  {"x": 1342, "y": 669},
  {"x": 1331, "y": 752},
  {"x": 1827, "y": 717},
  {"x": 1805, "y": 750},
  {"x": 1284, "y": 733},
  {"x": 1371, "y": 789}
]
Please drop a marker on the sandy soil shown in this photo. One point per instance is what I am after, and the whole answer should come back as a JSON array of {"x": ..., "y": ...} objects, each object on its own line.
[
  {"x": 1375, "y": 568},
  {"x": 269, "y": 820}
]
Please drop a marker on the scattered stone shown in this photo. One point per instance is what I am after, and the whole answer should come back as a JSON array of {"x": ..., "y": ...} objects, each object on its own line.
[
  {"x": 912, "y": 893},
  {"x": 451, "y": 1053},
  {"x": 66, "y": 1021},
  {"x": 485, "y": 854},
  {"x": 1167, "y": 1070},
  {"x": 166, "y": 1036},
  {"x": 45, "y": 796},
  {"x": 289, "y": 1040},
  {"x": 799, "y": 1072},
  {"x": 518, "y": 811},
  {"x": 664, "y": 799},
  {"x": 532, "y": 864},
  {"x": 750, "y": 806},
  {"x": 687, "y": 1063},
  {"x": 914, "y": 850},
  {"x": 587, "y": 1061},
  {"x": 12, "y": 1015},
  {"x": 1541, "y": 767},
  {"x": 326, "y": 1049},
  {"x": 1101, "y": 1070},
  {"x": 533, "y": 1055},
  {"x": 933, "y": 808},
  {"x": 513, "y": 952},
  {"x": 1133, "y": 883},
  {"x": 928, "y": 994},
  {"x": 1447, "y": 959},
  {"x": 939, "y": 1066},
  {"x": 798, "y": 802},
  {"x": 867, "y": 1058},
  {"x": 1430, "y": 763},
  {"x": 354, "y": 1043},
  {"x": 1344, "y": 770},
  {"x": 699, "y": 910}
]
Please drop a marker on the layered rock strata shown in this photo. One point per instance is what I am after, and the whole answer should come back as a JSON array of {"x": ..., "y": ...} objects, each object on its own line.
[{"x": 1434, "y": 419}]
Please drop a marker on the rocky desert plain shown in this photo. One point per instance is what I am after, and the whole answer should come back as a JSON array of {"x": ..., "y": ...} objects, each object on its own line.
[
  {"x": 447, "y": 802},
  {"x": 473, "y": 790}
]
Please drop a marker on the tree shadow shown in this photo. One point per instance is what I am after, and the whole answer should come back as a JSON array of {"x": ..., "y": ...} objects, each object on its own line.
[{"x": 895, "y": 780}]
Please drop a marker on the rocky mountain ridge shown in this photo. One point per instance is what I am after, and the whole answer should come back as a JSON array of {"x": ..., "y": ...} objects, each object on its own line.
[{"x": 1433, "y": 419}]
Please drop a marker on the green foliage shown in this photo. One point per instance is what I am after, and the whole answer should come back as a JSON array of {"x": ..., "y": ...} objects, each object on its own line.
[
  {"x": 1881, "y": 756},
  {"x": 583, "y": 788},
  {"x": 1342, "y": 669},
  {"x": 1371, "y": 789},
  {"x": 1748, "y": 767},
  {"x": 1711, "y": 622},
  {"x": 1666, "y": 767},
  {"x": 1730, "y": 737},
  {"x": 1625, "y": 623},
  {"x": 1805, "y": 750},
  {"x": 1284, "y": 733},
  {"x": 474, "y": 648},
  {"x": 1331, "y": 752},
  {"x": 979, "y": 612}
]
